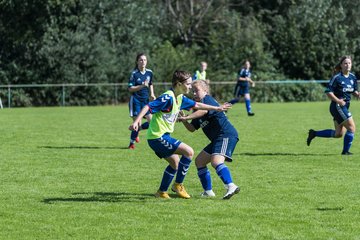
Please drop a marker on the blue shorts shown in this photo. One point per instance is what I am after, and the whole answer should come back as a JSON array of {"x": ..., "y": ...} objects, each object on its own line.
[
  {"x": 340, "y": 113},
  {"x": 241, "y": 90},
  {"x": 223, "y": 146},
  {"x": 135, "y": 106},
  {"x": 165, "y": 146}
]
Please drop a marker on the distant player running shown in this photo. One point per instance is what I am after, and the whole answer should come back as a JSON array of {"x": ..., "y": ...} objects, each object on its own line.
[
  {"x": 140, "y": 85},
  {"x": 223, "y": 139},
  {"x": 165, "y": 110},
  {"x": 242, "y": 87},
  {"x": 339, "y": 90}
]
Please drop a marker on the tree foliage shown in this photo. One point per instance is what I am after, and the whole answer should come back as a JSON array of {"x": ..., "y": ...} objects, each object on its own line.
[{"x": 78, "y": 41}]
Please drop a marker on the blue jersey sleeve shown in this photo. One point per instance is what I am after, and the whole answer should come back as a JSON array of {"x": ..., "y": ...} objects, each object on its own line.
[
  {"x": 163, "y": 103},
  {"x": 187, "y": 103},
  {"x": 332, "y": 85},
  {"x": 245, "y": 73},
  {"x": 210, "y": 101},
  {"x": 131, "y": 80},
  {"x": 355, "y": 84}
]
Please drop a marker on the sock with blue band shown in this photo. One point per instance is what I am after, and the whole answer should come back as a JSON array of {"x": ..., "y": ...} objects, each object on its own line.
[
  {"x": 348, "y": 139},
  {"x": 183, "y": 168},
  {"x": 205, "y": 178},
  {"x": 224, "y": 173},
  {"x": 168, "y": 176}
]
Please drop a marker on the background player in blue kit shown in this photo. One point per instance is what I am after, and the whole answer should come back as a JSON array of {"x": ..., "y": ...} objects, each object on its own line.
[
  {"x": 339, "y": 90},
  {"x": 223, "y": 137},
  {"x": 141, "y": 87},
  {"x": 165, "y": 110},
  {"x": 242, "y": 87}
]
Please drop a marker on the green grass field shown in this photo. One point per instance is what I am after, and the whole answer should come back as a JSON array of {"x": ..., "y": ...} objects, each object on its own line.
[{"x": 66, "y": 173}]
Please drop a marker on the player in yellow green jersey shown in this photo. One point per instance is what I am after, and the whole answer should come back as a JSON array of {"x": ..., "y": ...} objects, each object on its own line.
[{"x": 165, "y": 110}]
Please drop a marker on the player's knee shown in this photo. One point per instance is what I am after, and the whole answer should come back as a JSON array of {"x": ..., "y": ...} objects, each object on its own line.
[
  {"x": 198, "y": 163},
  {"x": 174, "y": 165},
  {"x": 352, "y": 129},
  {"x": 338, "y": 135},
  {"x": 190, "y": 153}
]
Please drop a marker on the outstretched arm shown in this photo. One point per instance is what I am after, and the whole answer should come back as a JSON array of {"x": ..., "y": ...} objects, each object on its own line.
[
  {"x": 222, "y": 108},
  {"x": 196, "y": 114},
  {"x": 188, "y": 125},
  {"x": 183, "y": 118},
  {"x": 135, "y": 125}
]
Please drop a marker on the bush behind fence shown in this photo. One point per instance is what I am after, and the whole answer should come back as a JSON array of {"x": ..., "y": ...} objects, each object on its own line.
[{"x": 112, "y": 94}]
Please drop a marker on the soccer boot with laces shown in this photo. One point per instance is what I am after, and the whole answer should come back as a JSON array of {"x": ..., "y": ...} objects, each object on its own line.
[
  {"x": 179, "y": 189},
  {"x": 131, "y": 146},
  {"x": 232, "y": 189},
  {"x": 160, "y": 194},
  {"x": 311, "y": 136},
  {"x": 346, "y": 153}
]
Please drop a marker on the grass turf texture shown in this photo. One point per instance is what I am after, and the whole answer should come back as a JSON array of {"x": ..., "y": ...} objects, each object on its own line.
[{"x": 66, "y": 173}]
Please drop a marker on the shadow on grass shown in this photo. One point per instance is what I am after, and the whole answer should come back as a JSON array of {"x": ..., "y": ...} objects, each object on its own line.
[
  {"x": 330, "y": 208},
  {"x": 101, "y": 197},
  {"x": 285, "y": 154},
  {"x": 81, "y": 147}
]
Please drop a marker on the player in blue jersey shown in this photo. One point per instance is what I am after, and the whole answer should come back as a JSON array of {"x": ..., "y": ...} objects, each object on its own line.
[
  {"x": 243, "y": 87},
  {"x": 223, "y": 139},
  {"x": 141, "y": 87},
  {"x": 165, "y": 110},
  {"x": 339, "y": 90}
]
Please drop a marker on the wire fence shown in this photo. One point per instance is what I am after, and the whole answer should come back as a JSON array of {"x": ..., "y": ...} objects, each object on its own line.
[{"x": 117, "y": 92}]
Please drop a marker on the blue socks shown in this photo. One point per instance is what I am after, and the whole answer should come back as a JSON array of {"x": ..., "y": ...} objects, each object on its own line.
[
  {"x": 169, "y": 173},
  {"x": 224, "y": 173},
  {"x": 248, "y": 105},
  {"x": 348, "y": 138},
  {"x": 145, "y": 125},
  {"x": 235, "y": 100},
  {"x": 328, "y": 133},
  {"x": 184, "y": 166},
  {"x": 168, "y": 176},
  {"x": 205, "y": 178},
  {"x": 135, "y": 134}
]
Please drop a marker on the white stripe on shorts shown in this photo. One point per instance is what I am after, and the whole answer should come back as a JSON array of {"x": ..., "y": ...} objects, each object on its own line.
[
  {"x": 224, "y": 146},
  {"x": 341, "y": 112},
  {"x": 131, "y": 106}
]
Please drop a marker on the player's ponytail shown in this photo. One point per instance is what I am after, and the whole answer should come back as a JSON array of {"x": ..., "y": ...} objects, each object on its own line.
[{"x": 337, "y": 67}]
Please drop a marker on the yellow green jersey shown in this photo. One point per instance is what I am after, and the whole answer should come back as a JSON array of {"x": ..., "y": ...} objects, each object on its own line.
[{"x": 165, "y": 110}]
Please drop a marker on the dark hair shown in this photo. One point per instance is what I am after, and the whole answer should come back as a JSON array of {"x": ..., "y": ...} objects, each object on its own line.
[
  {"x": 179, "y": 76},
  {"x": 337, "y": 67},
  {"x": 137, "y": 59}
]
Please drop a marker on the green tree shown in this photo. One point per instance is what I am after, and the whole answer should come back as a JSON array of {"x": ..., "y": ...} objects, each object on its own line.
[{"x": 308, "y": 39}]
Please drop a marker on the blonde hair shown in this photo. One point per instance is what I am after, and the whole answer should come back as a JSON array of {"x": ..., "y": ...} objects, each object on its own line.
[{"x": 203, "y": 84}]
